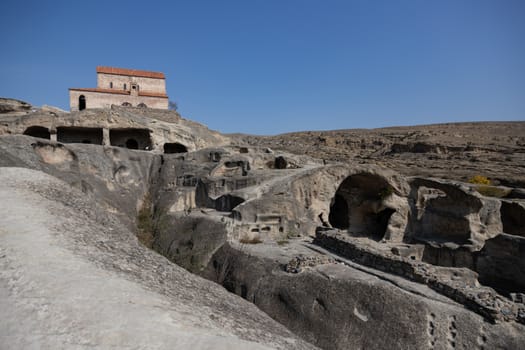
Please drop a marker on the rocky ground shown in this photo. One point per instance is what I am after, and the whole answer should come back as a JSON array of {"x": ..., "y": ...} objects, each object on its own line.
[
  {"x": 344, "y": 239},
  {"x": 73, "y": 278},
  {"x": 455, "y": 151}
]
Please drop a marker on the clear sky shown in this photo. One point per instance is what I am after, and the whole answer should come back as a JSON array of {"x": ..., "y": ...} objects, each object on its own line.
[{"x": 273, "y": 66}]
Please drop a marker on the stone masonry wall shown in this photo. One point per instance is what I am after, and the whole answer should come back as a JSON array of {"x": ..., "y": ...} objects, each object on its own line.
[
  {"x": 145, "y": 84},
  {"x": 105, "y": 100}
]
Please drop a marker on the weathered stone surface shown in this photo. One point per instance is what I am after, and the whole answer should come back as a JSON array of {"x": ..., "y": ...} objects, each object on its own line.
[
  {"x": 456, "y": 151},
  {"x": 12, "y": 106},
  {"x": 72, "y": 277},
  {"x": 405, "y": 262},
  {"x": 346, "y": 306}
]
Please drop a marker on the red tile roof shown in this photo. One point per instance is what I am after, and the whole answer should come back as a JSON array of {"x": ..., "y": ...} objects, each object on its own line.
[
  {"x": 120, "y": 92},
  {"x": 130, "y": 72}
]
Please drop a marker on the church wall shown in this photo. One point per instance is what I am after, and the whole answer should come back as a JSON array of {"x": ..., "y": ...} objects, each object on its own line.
[
  {"x": 145, "y": 84},
  {"x": 105, "y": 100}
]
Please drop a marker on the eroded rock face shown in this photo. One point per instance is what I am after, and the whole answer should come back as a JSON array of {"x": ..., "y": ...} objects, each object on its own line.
[
  {"x": 72, "y": 276},
  {"x": 12, "y": 106},
  {"x": 397, "y": 262},
  {"x": 444, "y": 212},
  {"x": 318, "y": 302}
]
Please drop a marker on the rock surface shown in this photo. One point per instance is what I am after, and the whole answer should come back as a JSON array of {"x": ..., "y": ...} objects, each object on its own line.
[
  {"x": 72, "y": 277},
  {"x": 13, "y": 107},
  {"x": 456, "y": 151},
  {"x": 347, "y": 254}
]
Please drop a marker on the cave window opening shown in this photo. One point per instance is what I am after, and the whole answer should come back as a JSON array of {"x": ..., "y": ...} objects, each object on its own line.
[
  {"x": 38, "y": 131},
  {"x": 132, "y": 144},
  {"x": 131, "y": 138},
  {"x": 175, "y": 147}
]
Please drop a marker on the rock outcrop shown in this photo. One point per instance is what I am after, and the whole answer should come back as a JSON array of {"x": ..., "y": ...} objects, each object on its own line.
[
  {"x": 13, "y": 107},
  {"x": 73, "y": 277},
  {"x": 343, "y": 254}
]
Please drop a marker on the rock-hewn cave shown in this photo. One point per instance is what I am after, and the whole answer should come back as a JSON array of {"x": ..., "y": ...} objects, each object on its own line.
[
  {"x": 358, "y": 206},
  {"x": 174, "y": 147},
  {"x": 513, "y": 217},
  {"x": 37, "y": 131},
  {"x": 227, "y": 202},
  {"x": 131, "y": 138},
  {"x": 79, "y": 135}
]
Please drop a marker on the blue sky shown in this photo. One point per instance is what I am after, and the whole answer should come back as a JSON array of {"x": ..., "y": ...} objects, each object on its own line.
[{"x": 273, "y": 66}]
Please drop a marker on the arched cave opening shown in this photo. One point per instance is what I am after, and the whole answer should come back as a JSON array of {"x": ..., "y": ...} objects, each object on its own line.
[
  {"x": 132, "y": 144},
  {"x": 227, "y": 202},
  {"x": 38, "y": 131},
  {"x": 358, "y": 206},
  {"x": 174, "y": 147},
  {"x": 131, "y": 138}
]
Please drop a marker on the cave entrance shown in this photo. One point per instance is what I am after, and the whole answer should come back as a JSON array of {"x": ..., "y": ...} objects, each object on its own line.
[
  {"x": 174, "y": 147},
  {"x": 66, "y": 134},
  {"x": 358, "y": 206},
  {"x": 131, "y": 138},
  {"x": 339, "y": 213},
  {"x": 81, "y": 102},
  {"x": 38, "y": 131},
  {"x": 513, "y": 217}
]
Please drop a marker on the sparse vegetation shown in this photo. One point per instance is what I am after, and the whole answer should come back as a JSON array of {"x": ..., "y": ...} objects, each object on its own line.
[
  {"x": 250, "y": 240},
  {"x": 479, "y": 180},
  {"x": 492, "y": 191},
  {"x": 149, "y": 221},
  {"x": 172, "y": 106}
]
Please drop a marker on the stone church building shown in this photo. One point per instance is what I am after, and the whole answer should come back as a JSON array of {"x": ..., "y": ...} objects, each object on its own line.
[{"x": 120, "y": 86}]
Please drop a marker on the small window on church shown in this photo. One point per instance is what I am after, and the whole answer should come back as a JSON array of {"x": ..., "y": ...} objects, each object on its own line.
[
  {"x": 111, "y": 85},
  {"x": 124, "y": 86}
]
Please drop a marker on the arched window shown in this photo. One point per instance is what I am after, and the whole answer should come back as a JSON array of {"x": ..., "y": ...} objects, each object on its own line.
[
  {"x": 132, "y": 144},
  {"x": 125, "y": 86},
  {"x": 126, "y": 104},
  {"x": 142, "y": 105},
  {"x": 81, "y": 102},
  {"x": 111, "y": 85}
]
